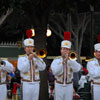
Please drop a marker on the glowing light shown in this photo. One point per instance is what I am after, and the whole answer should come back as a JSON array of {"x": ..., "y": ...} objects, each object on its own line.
[
  {"x": 48, "y": 33},
  {"x": 33, "y": 32}
]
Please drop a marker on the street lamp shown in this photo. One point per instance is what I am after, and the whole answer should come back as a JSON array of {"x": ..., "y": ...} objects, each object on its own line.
[{"x": 48, "y": 33}]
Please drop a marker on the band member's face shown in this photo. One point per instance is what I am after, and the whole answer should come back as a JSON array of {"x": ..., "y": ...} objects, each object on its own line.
[
  {"x": 97, "y": 54},
  {"x": 28, "y": 49},
  {"x": 64, "y": 51}
]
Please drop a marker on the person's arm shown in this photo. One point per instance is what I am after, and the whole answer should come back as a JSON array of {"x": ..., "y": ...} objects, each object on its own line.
[
  {"x": 57, "y": 67},
  {"x": 38, "y": 61},
  {"x": 40, "y": 64},
  {"x": 93, "y": 70},
  {"x": 75, "y": 65},
  {"x": 8, "y": 67},
  {"x": 23, "y": 64}
]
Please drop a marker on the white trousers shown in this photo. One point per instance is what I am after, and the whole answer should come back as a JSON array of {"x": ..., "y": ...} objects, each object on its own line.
[
  {"x": 63, "y": 92},
  {"x": 96, "y": 92},
  {"x": 30, "y": 91},
  {"x": 3, "y": 92}
]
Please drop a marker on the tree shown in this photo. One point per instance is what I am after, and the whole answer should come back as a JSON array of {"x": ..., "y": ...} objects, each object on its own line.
[
  {"x": 77, "y": 27},
  {"x": 6, "y": 8},
  {"x": 4, "y": 16},
  {"x": 19, "y": 15}
]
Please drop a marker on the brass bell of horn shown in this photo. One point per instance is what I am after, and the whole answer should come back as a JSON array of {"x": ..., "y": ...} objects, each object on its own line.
[
  {"x": 42, "y": 53},
  {"x": 73, "y": 55}
]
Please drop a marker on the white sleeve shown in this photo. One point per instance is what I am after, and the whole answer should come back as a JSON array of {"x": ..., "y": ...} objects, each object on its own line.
[
  {"x": 8, "y": 67},
  {"x": 79, "y": 82},
  {"x": 23, "y": 64},
  {"x": 93, "y": 70},
  {"x": 40, "y": 64},
  {"x": 57, "y": 68},
  {"x": 75, "y": 66}
]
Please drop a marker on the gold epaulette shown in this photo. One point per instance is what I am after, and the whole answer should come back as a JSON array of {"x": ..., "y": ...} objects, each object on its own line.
[
  {"x": 22, "y": 55},
  {"x": 91, "y": 59},
  {"x": 4, "y": 58},
  {"x": 58, "y": 57}
]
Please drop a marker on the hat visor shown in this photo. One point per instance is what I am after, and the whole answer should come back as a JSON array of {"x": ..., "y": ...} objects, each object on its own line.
[
  {"x": 97, "y": 50},
  {"x": 66, "y": 47},
  {"x": 29, "y": 45}
]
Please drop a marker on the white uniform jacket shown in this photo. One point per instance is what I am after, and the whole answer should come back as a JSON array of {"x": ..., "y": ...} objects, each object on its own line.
[
  {"x": 93, "y": 67},
  {"x": 8, "y": 67},
  {"x": 58, "y": 69},
  {"x": 30, "y": 69}
]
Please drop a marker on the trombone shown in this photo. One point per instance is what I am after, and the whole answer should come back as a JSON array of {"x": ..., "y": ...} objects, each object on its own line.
[
  {"x": 42, "y": 53},
  {"x": 2, "y": 63},
  {"x": 73, "y": 55}
]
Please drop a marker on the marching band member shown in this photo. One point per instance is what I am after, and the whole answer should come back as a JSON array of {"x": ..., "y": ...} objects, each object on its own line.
[
  {"x": 93, "y": 67},
  {"x": 30, "y": 65},
  {"x": 5, "y": 67},
  {"x": 63, "y": 68}
]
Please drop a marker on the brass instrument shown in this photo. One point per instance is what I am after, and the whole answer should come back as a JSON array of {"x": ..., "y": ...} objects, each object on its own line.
[
  {"x": 39, "y": 55},
  {"x": 73, "y": 55},
  {"x": 42, "y": 53},
  {"x": 2, "y": 63}
]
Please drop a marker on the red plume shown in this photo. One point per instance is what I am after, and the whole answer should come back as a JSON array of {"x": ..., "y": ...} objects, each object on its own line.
[
  {"x": 29, "y": 33},
  {"x": 67, "y": 35},
  {"x": 85, "y": 70},
  {"x": 99, "y": 38}
]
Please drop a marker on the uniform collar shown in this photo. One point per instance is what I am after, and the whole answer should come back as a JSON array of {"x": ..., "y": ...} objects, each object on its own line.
[{"x": 96, "y": 61}]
